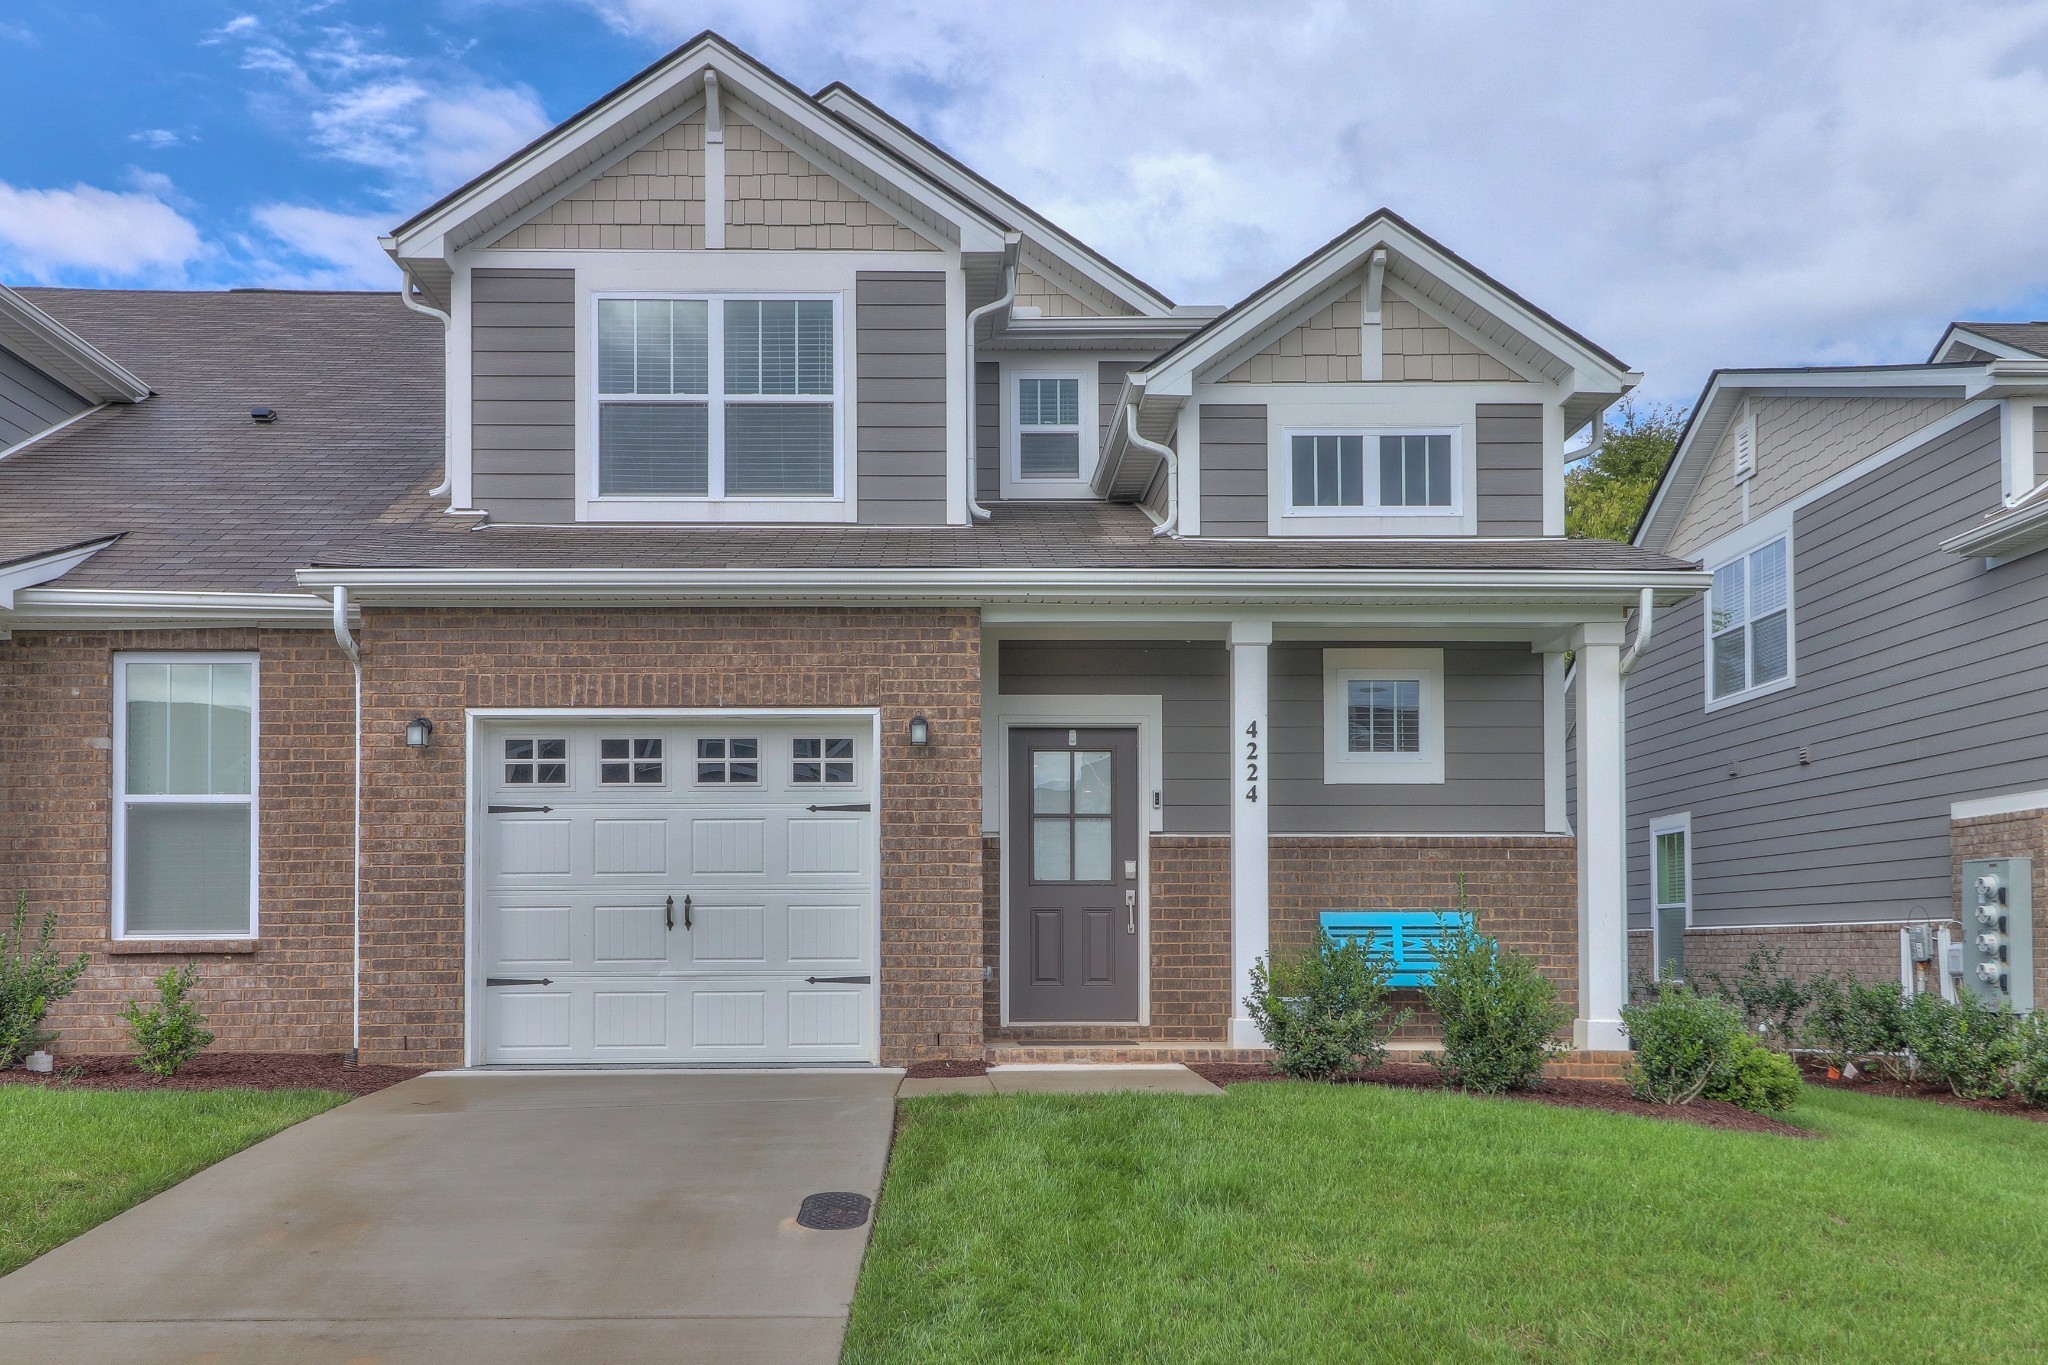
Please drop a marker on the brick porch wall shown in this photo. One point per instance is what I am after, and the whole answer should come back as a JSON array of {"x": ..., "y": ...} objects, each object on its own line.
[
  {"x": 1870, "y": 951},
  {"x": 438, "y": 662},
  {"x": 1188, "y": 909},
  {"x": 1522, "y": 889},
  {"x": 56, "y": 830}
]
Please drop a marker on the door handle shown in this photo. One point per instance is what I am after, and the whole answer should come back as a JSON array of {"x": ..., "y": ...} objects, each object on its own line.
[
  {"x": 517, "y": 981},
  {"x": 668, "y": 910},
  {"x": 1131, "y": 912},
  {"x": 686, "y": 914}
]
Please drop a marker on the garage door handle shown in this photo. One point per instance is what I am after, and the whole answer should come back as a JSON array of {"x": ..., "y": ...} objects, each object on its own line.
[
  {"x": 668, "y": 910},
  {"x": 517, "y": 981},
  {"x": 853, "y": 805},
  {"x": 515, "y": 810},
  {"x": 686, "y": 915},
  {"x": 837, "y": 980}
]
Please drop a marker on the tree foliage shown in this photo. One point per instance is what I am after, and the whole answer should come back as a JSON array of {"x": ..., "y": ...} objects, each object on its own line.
[{"x": 1605, "y": 496}]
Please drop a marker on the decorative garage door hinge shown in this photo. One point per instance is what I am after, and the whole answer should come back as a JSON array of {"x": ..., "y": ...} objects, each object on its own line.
[
  {"x": 517, "y": 981},
  {"x": 837, "y": 980},
  {"x": 852, "y": 805},
  {"x": 514, "y": 810}
]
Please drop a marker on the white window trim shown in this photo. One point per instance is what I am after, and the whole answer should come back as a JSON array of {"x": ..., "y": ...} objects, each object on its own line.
[
  {"x": 1340, "y": 765},
  {"x": 1012, "y": 486},
  {"x": 1373, "y": 507},
  {"x": 715, "y": 506},
  {"x": 1780, "y": 529},
  {"x": 1680, "y": 823},
  {"x": 1079, "y": 429},
  {"x": 122, "y": 800}
]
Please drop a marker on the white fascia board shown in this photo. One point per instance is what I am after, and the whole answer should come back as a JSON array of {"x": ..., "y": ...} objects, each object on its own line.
[
  {"x": 45, "y": 608},
  {"x": 27, "y": 574},
  {"x": 63, "y": 354},
  {"x": 1255, "y": 586},
  {"x": 1977, "y": 340}
]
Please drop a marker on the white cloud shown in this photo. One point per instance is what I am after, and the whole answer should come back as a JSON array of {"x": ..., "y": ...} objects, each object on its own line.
[
  {"x": 1693, "y": 186},
  {"x": 88, "y": 233},
  {"x": 156, "y": 139},
  {"x": 304, "y": 247}
]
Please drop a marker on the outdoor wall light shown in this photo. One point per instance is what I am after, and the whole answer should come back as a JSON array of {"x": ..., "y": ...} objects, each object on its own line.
[
  {"x": 920, "y": 731},
  {"x": 419, "y": 732}
]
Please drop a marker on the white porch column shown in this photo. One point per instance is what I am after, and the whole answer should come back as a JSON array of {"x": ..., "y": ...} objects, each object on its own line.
[
  {"x": 1603, "y": 886},
  {"x": 1250, "y": 929}
]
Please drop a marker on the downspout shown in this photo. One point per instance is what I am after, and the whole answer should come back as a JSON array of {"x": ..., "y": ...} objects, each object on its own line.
[
  {"x": 1646, "y": 608},
  {"x": 1170, "y": 525},
  {"x": 975, "y": 511},
  {"x": 355, "y": 990},
  {"x": 405, "y": 287}
]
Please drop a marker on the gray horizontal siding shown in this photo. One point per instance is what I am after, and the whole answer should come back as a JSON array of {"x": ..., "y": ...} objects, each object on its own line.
[
  {"x": 900, "y": 373},
  {"x": 1917, "y": 685},
  {"x": 1510, "y": 466},
  {"x": 1233, "y": 437},
  {"x": 1493, "y": 735},
  {"x": 30, "y": 401},
  {"x": 988, "y": 428},
  {"x": 523, "y": 394}
]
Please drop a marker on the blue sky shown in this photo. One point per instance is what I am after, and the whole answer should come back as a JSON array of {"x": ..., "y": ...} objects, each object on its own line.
[{"x": 1699, "y": 185}]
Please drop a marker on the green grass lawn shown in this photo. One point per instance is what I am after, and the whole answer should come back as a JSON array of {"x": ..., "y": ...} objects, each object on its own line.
[
  {"x": 1289, "y": 1222},
  {"x": 73, "y": 1158}
]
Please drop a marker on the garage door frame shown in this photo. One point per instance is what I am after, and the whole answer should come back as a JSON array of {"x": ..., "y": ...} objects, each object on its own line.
[{"x": 475, "y": 719}]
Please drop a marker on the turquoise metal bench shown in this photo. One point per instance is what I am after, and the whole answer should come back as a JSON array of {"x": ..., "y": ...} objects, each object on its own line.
[{"x": 1407, "y": 937}]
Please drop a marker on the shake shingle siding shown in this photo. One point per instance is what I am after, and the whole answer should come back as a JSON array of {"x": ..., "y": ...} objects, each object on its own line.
[
  {"x": 31, "y": 401},
  {"x": 523, "y": 394},
  {"x": 900, "y": 373},
  {"x": 1918, "y": 684}
]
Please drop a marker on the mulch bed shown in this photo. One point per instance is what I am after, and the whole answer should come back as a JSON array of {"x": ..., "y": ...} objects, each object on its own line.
[
  {"x": 222, "y": 1071},
  {"x": 1874, "y": 1083},
  {"x": 926, "y": 1071},
  {"x": 1608, "y": 1096}
]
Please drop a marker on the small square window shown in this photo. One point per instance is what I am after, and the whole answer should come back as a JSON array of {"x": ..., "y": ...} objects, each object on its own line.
[
  {"x": 821, "y": 762},
  {"x": 629, "y": 762},
  {"x": 1383, "y": 715},
  {"x": 538, "y": 762},
  {"x": 727, "y": 762}
]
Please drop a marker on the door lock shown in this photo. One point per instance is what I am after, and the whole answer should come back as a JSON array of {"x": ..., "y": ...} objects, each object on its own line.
[{"x": 1130, "y": 912}]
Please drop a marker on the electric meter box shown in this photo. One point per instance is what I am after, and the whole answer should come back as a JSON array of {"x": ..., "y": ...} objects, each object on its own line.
[{"x": 1997, "y": 916}]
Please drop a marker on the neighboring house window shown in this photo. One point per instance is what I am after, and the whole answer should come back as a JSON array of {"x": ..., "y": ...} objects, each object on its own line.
[
  {"x": 1374, "y": 472},
  {"x": 717, "y": 398},
  {"x": 1670, "y": 894},
  {"x": 1749, "y": 623},
  {"x": 1383, "y": 715},
  {"x": 185, "y": 796},
  {"x": 1048, "y": 427}
]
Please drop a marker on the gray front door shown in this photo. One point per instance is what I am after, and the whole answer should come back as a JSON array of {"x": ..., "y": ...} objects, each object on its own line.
[{"x": 1072, "y": 855}]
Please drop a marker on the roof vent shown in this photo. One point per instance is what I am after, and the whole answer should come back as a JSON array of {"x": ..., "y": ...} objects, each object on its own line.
[{"x": 263, "y": 415}]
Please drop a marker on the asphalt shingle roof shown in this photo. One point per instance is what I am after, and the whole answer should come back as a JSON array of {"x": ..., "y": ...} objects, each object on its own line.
[{"x": 2031, "y": 337}]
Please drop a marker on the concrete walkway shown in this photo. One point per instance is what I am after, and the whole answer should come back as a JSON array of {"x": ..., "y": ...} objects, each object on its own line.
[{"x": 617, "y": 1217}]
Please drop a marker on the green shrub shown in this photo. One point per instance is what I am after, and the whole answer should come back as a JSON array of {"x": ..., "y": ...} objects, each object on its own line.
[
  {"x": 1881, "y": 1013},
  {"x": 1683, "y": 1039},
  {"x": 2030, "y": 1072},
  {"x": 1756, "y": 1078},
  {"x": 1966, "y": 1045},
  {"x": 32, "y": 978},
  {"x": 1769, "y": 999},
  {"x": 1325, "y": 1010},
  {"x": 1847, "y": 1021},
  {"x": 171, "y": 1032},
  {"x": 1499, "y": 1013}
]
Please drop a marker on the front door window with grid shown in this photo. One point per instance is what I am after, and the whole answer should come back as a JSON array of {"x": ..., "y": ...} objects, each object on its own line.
[
  {"x": 185, "y": 801},
  {"x": 717, "y": 398},
  {"x": 1072, "y": 825},
  {"x": 1749, "y": 623},
  {"x": 1048, "y": 428},
  {"x": 1371, "y": 472}
]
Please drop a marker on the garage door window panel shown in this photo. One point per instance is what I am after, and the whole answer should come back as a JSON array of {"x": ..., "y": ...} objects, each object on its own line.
[
  {"x": 821, "y": 762},
  {"x": 730, "y": 761},
  {"x": 631, "y": 762},
  {"x": 536, "y": 762}
]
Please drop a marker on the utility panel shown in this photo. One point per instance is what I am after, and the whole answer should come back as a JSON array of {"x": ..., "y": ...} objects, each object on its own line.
[{"x": 1997, "y": 916}]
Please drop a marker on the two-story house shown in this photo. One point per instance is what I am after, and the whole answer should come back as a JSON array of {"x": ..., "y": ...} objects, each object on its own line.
[
  {"x": 764, "y": 594},
  {"x": 1820, "y": 743}
]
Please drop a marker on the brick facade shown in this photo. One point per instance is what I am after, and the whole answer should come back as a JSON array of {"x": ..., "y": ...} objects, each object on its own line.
[
  {"x": 440, "y": 662},
  {"x": 1869, "y": 951},
  {"x": 291, "y": 992}
]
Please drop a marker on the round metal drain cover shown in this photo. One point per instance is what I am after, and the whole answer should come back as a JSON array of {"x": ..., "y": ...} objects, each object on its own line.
[{"x": 833, "y": 1210}]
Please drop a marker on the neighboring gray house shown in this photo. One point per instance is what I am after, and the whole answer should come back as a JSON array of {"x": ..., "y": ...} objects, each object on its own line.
[{"x": 1854, "y": 708}]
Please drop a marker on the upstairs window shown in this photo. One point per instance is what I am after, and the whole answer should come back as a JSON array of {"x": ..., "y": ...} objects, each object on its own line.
[
  {"x": 1749, "y": 623},
  {"x": 1377, "y": 472},
  {"x": 1048, "y": 427},
  {"x": 716, "y": 398}
]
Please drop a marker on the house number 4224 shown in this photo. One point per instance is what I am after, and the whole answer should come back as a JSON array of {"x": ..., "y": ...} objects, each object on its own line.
[{"x": 1251, "y": 761}]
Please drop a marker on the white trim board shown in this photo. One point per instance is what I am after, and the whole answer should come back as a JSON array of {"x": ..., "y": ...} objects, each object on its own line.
[{"x": 2007, "y": 803}]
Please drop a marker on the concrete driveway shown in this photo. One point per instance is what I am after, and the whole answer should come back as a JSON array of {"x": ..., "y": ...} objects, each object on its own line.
[{"x": 612, "y": 1217}]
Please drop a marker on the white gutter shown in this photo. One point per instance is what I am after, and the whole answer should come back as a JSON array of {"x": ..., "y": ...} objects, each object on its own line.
[
  {"x": 1646, "y": 608},
  {"x": 1170, "y": 525},
  {"x": 405, "y": 293},
  {"x": 150, "y": 607},
  {"x": 1011, "y": 241},
  {"x": 355, "y": 990}
]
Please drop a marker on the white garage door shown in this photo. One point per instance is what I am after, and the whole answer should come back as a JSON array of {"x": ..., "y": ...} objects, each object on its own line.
[{"x": 696, "y": 891}]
